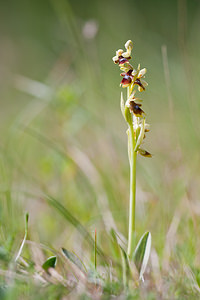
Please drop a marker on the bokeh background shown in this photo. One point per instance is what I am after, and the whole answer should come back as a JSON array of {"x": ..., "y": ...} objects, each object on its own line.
[{"x": 62, "y": 133}]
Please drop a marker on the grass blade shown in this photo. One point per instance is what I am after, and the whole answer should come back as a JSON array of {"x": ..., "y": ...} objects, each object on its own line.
[
  {"x": 95, "y": 249},
  {"x": 24, "y": 239},
  {"x": 74, "y": 259},
  {"x": 125, "y": 266}
]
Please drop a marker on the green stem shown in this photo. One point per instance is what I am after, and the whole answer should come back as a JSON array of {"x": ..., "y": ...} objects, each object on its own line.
[{"x": 133, "y": 157}]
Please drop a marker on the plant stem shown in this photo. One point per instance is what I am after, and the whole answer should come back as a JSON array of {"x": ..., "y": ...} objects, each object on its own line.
[{"x": 133, "y": 157}]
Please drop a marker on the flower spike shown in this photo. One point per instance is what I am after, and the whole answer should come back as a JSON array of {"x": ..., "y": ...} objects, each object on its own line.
[{"x": 132, "y": 79}]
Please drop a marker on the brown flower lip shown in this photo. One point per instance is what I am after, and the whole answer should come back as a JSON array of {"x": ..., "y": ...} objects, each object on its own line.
[
  {"x": 127, "y": 78},
  {"x": 123, "y": 60},
  {"x": 135, "y": 108},
  {"x": 138, "y": 82}
]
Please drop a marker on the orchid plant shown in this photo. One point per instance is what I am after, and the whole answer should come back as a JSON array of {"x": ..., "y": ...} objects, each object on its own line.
[{"x": 133, "y": 80}]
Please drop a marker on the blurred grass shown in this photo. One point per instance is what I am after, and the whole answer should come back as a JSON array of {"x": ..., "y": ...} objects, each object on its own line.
[{"x": 62, "y": 132}]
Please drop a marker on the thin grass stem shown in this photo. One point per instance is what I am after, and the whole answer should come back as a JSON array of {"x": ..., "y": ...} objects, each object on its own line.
[
  {"x": 25, "y": 237},
  {"x": 95, "y": 249}
]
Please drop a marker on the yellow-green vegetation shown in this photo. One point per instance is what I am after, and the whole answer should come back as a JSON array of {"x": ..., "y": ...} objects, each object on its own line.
[{"x": 64, "y": 169}]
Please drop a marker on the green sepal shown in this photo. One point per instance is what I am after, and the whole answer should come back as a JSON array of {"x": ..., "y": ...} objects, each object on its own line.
[
  {"x": 128, "y": 115},
  {"x": 141, "y": 136}
]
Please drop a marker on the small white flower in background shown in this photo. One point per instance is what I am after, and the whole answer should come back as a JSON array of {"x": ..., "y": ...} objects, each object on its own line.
[{"x": 90, "y": 29}]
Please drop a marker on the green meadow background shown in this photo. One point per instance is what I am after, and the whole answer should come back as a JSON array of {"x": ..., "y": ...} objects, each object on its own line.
[{"x": 63, "y": 139}]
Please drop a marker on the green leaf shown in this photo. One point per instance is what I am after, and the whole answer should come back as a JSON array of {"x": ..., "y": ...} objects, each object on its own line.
[
  {"x": 142, "y": 253},
  {"x": 74, "y": 259},
  {"x": 49, "y": 263}
]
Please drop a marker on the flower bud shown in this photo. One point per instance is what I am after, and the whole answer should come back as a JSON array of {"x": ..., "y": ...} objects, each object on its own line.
[{"x": 144, "y": 153}]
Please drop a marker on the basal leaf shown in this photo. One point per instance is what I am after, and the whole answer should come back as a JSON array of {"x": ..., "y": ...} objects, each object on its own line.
[
  {"x": 49, "y": 263},
  {"x": 142, "y": 252}
]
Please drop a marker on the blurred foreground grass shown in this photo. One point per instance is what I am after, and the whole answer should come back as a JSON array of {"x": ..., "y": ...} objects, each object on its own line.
[{"x": 63, "y": 143}]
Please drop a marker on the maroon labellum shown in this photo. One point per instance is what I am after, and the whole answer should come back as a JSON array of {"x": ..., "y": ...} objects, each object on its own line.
[
  {"x": 122, "y": 60},
  {"x": 138, "y": 82},
  {"x": 126, "y": 80},
  {"x": 135, "y": 108}
]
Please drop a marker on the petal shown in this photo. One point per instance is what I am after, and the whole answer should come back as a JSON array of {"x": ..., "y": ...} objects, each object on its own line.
[
  {"x": 142, "y": 73},
  {"x": 115, "y": 59},
  {"x": 144, "y": 83},
  {"x": 125, "y": 68},
  {"x": 127, "y": 54},
  {"x": 119, "y": 52},
  {"x": 138, "y": 101},
  {"x": 129, "y": 45},
  {"x": 134, "y": 72}
]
